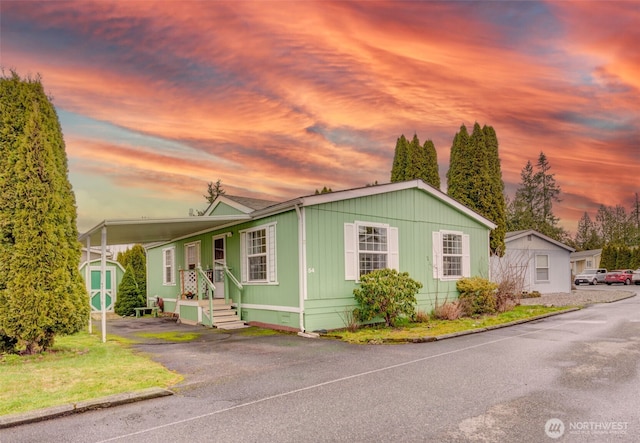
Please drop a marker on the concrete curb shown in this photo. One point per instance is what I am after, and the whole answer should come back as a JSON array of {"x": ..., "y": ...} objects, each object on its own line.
[
  {"x": 7, "y": 421},
  {"x": 491, "y": 328}
]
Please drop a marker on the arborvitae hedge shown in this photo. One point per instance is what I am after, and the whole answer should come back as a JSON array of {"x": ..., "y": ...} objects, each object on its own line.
[{"x": 41, "y": 291}]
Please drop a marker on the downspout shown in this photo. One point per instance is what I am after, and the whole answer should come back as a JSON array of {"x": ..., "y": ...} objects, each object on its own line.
[{"x": 302, "y": 264}]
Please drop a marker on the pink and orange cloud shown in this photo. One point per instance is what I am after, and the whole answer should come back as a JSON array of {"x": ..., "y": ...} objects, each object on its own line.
[{"x": 279, "y": 99}]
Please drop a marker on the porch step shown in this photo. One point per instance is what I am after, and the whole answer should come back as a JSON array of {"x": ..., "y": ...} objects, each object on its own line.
[{"x": 234, "y": 325}]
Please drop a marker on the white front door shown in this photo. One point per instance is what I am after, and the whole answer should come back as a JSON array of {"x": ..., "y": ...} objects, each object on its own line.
[{"x": 219, "y": 262}]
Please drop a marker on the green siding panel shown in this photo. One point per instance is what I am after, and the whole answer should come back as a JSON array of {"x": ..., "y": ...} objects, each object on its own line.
[{"x": 416, "y": 214}]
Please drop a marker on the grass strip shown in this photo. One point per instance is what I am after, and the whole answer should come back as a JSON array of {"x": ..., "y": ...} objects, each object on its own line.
[
  {"x": 377, "y": 334},
  {"x": 77, "y": 368}
]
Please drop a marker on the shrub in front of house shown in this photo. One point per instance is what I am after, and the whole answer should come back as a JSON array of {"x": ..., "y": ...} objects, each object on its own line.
[
  {"x": 129, "y": 295},
  {"x": 387, "y": 294},
  {"x": 477, "y": 296},
  {"x": 449, "y": 310}
]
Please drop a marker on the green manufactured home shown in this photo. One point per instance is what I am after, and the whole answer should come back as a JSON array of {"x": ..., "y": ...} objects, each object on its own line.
[{"x": 293, "y": 265}]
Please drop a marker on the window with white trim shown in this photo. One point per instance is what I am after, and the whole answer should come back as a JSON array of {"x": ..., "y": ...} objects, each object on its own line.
[
  {"x": 451, "y": 255},
  {"x": 542, "y": 268},
  {"x": 369, "y": 246},
  {"x": 168, "y": 266},
  {"x": 258, "y": 248},
  {"x": 192, "y": 255}
]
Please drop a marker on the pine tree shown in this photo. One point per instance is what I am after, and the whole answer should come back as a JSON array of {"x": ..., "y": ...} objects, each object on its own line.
[
  {"x": 400, "y": 159},
  {"x": 532, "y": 207},
  {"x": 129, "y": 294},
  {"x": 41, "y": 290},
  {"x": 586, "y": 237}
]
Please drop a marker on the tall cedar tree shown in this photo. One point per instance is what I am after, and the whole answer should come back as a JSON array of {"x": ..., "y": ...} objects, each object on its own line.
[
  {"x": 475, "y": 178},
  {"x": 420, "y": 162},
  {"x": 400, "y": 158},
  {"x": 41, "y": 290},
  {"x": 497, "y": 210},
  {"x": 137, "y": 259}
]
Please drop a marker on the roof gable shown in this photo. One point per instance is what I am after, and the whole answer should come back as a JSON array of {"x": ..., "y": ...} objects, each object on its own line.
[
  {"x": 392, "y": 187},
  {"x": 230, "y": 204},
  {"x": 512, "y": 236}
]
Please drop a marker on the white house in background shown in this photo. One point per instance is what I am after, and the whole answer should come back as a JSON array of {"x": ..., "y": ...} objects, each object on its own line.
[
  {"x": 585, "y": 260},
  {"x": 541, "y": 263}
]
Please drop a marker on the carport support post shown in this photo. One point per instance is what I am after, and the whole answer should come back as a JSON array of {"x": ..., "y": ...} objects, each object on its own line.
[
  {"x": 87, "y": 280},
  {"x": 103, "y": 283}
]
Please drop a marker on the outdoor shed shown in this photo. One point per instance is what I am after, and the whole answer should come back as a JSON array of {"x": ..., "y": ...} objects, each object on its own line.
[
  {"x": 91, "y": 273},
  {"x": 540, "y": 262}
]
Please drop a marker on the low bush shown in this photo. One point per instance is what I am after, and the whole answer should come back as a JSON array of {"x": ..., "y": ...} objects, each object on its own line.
[
  {"x": 421, "y": 317},
  {"x": 532, "y": 294},
  {"x": 386, "y": 293},
  {"x": 449, "y": 310},
  {"x": 477, "y": 296}
]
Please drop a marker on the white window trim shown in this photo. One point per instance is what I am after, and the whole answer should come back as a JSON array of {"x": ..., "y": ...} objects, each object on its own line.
[
  {"x": 352, "y": 248},
  {"x": 438, "y": 256},
  {"x": 548, "y": 268},
  {"x": 172, "y": 282},
  {"x": 272, "y": 275}
]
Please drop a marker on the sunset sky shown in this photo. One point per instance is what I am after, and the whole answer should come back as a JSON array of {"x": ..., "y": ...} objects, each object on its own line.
[{"x": 278, "y": 99}]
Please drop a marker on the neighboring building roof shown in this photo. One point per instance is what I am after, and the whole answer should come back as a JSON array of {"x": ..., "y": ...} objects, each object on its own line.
[
  {"x": 514, "y": 235},
  {"x": 586, "y": 254}
]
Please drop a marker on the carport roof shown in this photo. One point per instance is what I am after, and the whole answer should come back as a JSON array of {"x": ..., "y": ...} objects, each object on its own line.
[{"x": 147, "y": 230}]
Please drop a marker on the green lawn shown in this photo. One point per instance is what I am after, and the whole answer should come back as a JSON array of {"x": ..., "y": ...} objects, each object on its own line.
[
  {"x": 78, "y": 367},
  {"x": 415, "y": 331}
]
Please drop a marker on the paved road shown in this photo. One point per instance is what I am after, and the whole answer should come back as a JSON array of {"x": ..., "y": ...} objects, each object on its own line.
[{"x": 580, "y": 369}]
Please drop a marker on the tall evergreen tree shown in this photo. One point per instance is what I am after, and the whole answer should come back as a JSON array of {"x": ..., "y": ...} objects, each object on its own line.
[
  {"x": 41, "y": 290},
  {"x": 129, "y": 294},
  {"x": 586, "y": 237},
  {"x": 400, "y": 158},
  {"x": 475, "y": 178},
  {"x": 431, "y": 174},
  {"x": 532, "y": 207},
  {"x": 609, "y": 257},
  {"x": 136, "y": 257},
  {"x": 459, "y": 165},
  {"x": 412, "y": 161}
]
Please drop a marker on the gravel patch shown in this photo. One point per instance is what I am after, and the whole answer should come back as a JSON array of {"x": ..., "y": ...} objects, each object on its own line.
[{"x": 578, "y": 297}]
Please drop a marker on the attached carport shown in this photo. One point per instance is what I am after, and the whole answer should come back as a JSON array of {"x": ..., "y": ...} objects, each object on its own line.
[{"x": 144, "y": 231}]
